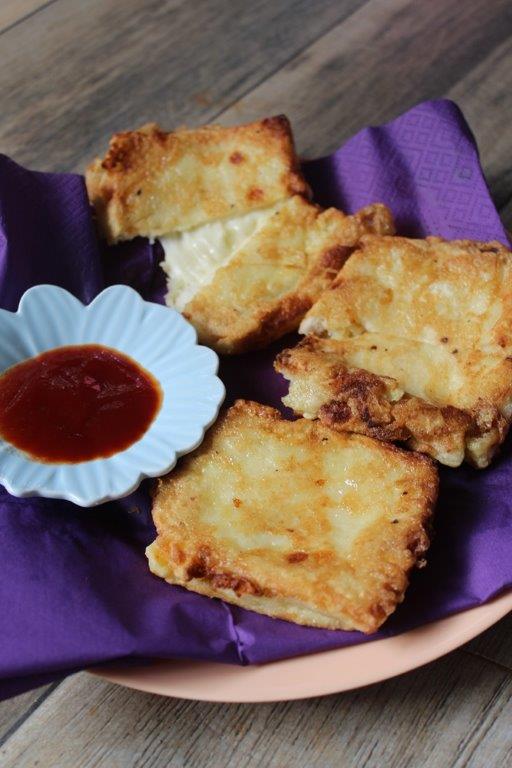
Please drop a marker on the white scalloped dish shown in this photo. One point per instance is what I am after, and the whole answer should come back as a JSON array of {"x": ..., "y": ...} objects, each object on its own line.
[{"x": 160, "y": 341}]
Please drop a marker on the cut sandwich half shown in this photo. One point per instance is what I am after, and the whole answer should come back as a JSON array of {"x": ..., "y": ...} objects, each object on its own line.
[
  {"x": 295, "y": 521},
  {"x": 245, "y": 282},
  {"x": 151, "y": 183},
  {"x": 412, "y": 343},
  {"x": 246, "y": 253}
]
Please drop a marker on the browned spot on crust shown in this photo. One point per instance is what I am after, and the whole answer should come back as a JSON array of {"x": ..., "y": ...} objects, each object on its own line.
[
  {"x": 177, "y": 554},
  {"x": 203, "y": 567},
  {"x": 199, "y": 565},
  {"x": 378, "y": 612},
  {"x": 255, "y": 193},
  {"x": 160, "y": 136},
  {"x": 335, "y": 412},
  {"x": 237, "y": 502},
  {"x": 239, "y": 585},
  {"x": 444, "y": 339},
  {"x": 320, "y": 482},
  {"x": 335, "y": 257},
  {"x": 236, "y": 158},
  {"x": 123, "y": 147},
  {"x": 297, "y": 557},
  {"x": 278, "y": 124},
  {"x": 361, "y": 403}
]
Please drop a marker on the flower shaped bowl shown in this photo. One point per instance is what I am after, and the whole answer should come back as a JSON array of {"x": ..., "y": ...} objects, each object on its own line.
[{"x": 156, "y": 337}]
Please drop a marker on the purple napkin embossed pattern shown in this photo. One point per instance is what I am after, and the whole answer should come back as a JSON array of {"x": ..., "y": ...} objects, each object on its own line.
[{"x": 75, "y": 589}]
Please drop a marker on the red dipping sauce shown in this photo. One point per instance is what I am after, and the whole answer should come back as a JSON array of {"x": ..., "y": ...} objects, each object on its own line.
[{"x": 77, "y": 403}]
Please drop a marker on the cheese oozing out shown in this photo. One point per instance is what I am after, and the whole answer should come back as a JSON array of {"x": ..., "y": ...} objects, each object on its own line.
[{"x": 193, "y": 257}]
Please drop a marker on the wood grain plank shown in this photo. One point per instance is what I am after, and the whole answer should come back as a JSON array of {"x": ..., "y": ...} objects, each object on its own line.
[
  {"x": 14, "y": 11},
  {"x": 75, "y": 72},
  {"x": 485, "y": 95},
  {"x": 495, "y": 644},
  {"x": 387, "y": 57},
  {"x": 455, "y": 712},
  {"x": 13, "y": 711},
  {"x": 106, "y": 65}
]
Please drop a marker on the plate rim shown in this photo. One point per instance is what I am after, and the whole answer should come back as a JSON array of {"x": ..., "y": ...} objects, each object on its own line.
[{"x": 317, "y": 674}]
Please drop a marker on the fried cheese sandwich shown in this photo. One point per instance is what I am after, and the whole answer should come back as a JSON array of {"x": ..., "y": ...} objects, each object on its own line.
[
  {"x": 413, "y": 342},
  {"x": 151, "y": 183},
  {"x": 263, "y": 288},
  {"x": 246, "y": 253},
  {"x": 294, "y": 520}
]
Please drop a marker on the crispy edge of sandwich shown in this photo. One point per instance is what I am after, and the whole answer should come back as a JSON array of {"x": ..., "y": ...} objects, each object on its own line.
[
  {"x": 346, "y": 398},
  {"x": 195, "y": 560},
  {"x": 151, "y": 183},
  {"x": 250, "y": 322}
]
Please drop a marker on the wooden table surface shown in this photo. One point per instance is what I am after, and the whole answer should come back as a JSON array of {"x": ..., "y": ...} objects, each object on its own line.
[{"x": 74, "y": 71}]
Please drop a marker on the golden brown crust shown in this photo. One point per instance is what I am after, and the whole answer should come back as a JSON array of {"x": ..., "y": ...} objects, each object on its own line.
[
  {"x": 326, "y": 386},
  {"x": 436, "y": 291},
  {"x": 335, "y": 553},
  {"x": 266, "y": 288},
  {"x": 434, "y": 317},
  {"x": 151, "y": 182}
]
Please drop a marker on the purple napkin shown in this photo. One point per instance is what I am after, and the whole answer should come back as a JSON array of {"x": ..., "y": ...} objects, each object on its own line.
[{"x": 75, "y": 589}]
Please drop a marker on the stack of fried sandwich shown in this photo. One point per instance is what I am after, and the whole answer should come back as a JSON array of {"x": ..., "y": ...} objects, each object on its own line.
[{"x": 318, "y": 520}]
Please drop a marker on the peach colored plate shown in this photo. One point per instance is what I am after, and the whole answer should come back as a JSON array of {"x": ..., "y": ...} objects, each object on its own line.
[{"x": 314, "y": 675}]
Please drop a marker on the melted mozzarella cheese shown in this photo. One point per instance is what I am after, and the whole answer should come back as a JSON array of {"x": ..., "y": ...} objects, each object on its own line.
[{"x": 193, "y": 257}]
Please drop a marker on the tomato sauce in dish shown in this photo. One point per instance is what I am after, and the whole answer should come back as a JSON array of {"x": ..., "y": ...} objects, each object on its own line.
[{"x": 77, "y": 403}]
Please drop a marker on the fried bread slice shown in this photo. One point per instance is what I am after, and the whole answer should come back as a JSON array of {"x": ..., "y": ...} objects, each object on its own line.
[
  {"x": 245, "y": 252},
  {"x": 294, "y": 520},
  {"x": 151, "y": 182},
  {"x": 435, "y": 317},
  {"x": 271, "y": 271},
  {"x": 456, "y": 293},
  {"x": 356, "y": 385}
]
